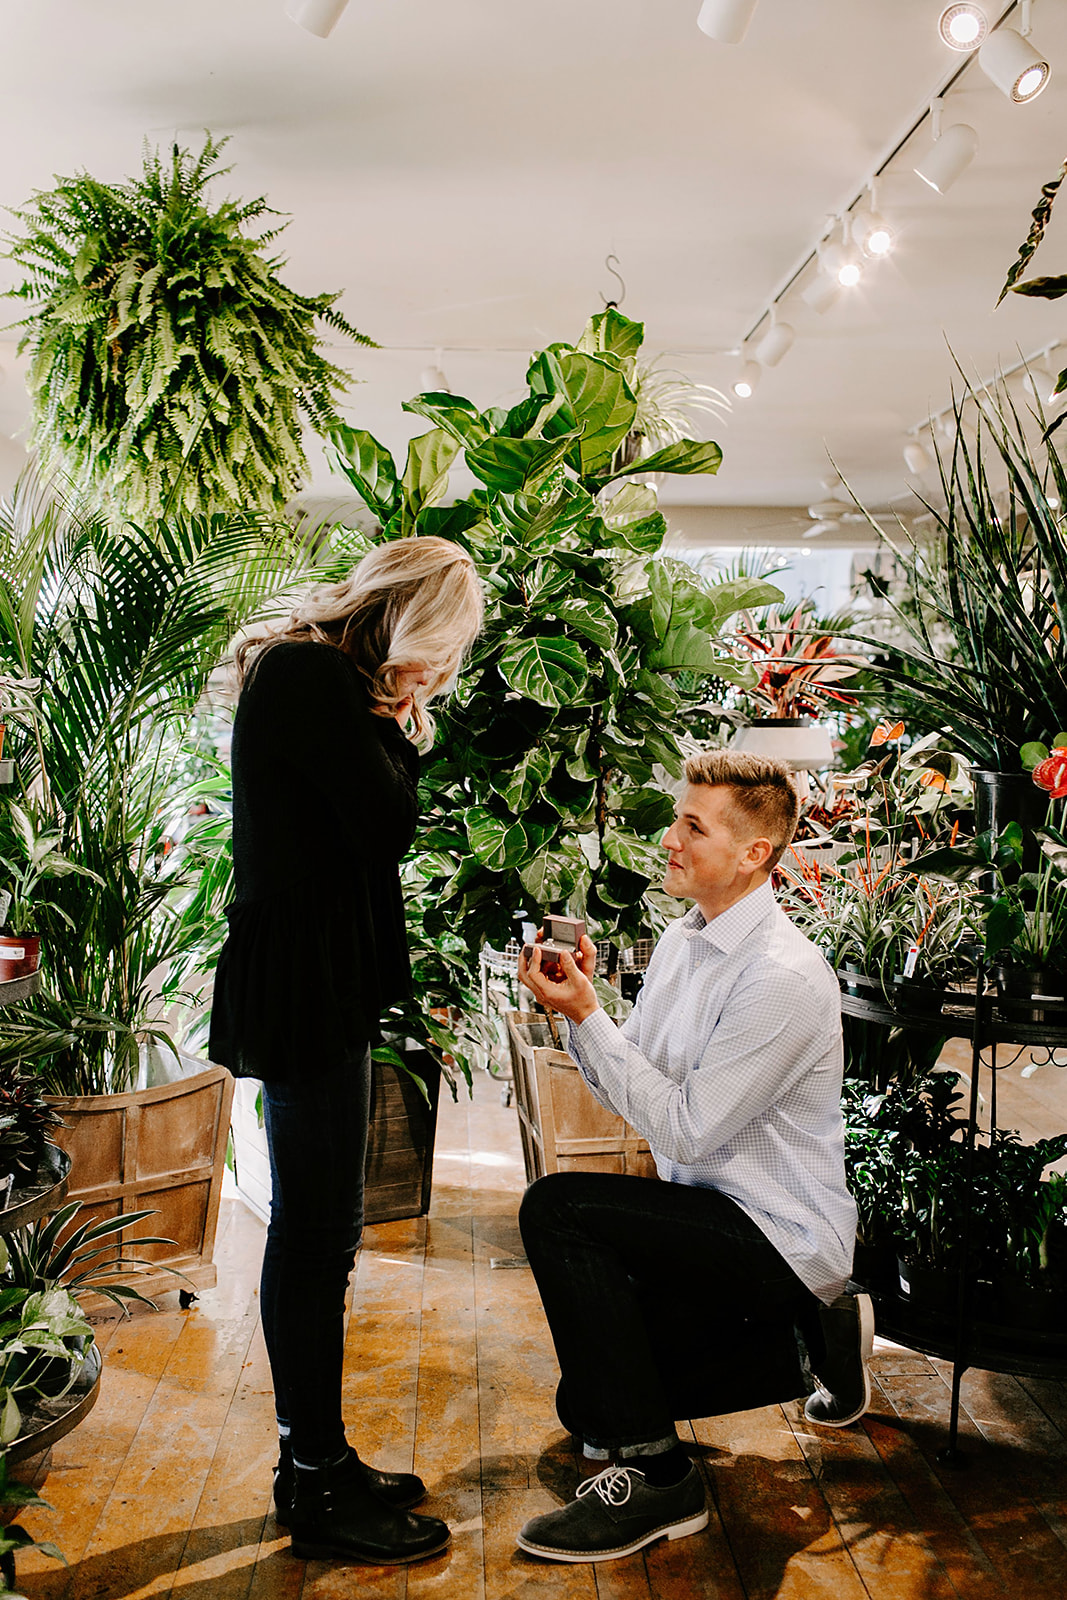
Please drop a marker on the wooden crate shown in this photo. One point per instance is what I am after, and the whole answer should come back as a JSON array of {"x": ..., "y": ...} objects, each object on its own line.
[
  {"x": 563, "y": 1128},
  {"x": 160, "y": 1149}
]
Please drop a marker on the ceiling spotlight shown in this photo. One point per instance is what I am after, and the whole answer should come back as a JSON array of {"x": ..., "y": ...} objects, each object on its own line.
[
  {"x": 1010, "y": 61},
  {"x": 316, "y": 16},
  {"x": 873, "y": 234},
  {"x": 776, "y": 343},
  {"x": 915, "y": 458},
  {"x": 746, "y": 380},
  {"x": 963, "y": 27},
  {"x": 841, "y": 265},
  {"x": 726, "y": 20},
  {"x": 950, "y": 154}
]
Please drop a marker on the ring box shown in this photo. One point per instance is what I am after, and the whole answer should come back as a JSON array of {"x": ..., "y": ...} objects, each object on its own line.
[{"x": 560, "y": 933}]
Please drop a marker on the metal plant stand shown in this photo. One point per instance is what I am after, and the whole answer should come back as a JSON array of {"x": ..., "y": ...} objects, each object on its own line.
[{"x": 968, "y": 1338}]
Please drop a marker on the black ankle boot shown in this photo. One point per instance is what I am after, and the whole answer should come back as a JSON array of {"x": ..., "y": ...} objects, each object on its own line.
[
  {"x": 401, "y": 1490},
  {"x": 335, "y": 1514}
]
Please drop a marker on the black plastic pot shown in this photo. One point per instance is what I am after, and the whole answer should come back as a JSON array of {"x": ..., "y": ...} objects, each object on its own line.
[
  {"x": 925, "y": 999},
  {"x": 1017, "y": 983},
  {"x": 1003, "y": 797}
]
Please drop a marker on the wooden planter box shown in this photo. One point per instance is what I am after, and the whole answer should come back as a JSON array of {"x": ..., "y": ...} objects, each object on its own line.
[
  {"x": 400, "y": 1146},
  {"x": 400, "y": 1143},
  {"x": 563, "y": 1128},
  {"x": 161, "y": 1149}
]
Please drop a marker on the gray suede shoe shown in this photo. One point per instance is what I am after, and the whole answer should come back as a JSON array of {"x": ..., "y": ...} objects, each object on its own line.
[
  {"x": 616, "y": 1513},
  {"x": 844, "y": 1391}
]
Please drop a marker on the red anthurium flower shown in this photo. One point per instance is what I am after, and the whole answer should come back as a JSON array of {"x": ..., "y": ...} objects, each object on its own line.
[
  {"x": 887, "y": 733},
  {"x": 1051, "y": 774},
  {"x": 933, "y": 780}
]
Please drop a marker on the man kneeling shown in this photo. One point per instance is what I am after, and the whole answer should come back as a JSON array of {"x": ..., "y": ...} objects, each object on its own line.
[{"x": 730, "y": 1066}]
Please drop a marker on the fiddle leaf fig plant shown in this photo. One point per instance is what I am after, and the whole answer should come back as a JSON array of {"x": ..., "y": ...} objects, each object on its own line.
[
  {"x": 169, "y": 365},
  {"x": 549, "y": 782}
]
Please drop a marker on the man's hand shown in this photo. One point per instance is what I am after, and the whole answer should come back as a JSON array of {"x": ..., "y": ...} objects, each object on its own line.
[{"x": 571, "y": 993}]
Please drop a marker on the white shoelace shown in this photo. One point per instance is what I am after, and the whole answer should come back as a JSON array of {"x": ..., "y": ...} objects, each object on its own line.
[{"x": 613, "y": 1485}]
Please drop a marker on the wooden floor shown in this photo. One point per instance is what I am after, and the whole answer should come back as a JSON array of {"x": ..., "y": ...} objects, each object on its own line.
[{"x": 165, "y": 1489}]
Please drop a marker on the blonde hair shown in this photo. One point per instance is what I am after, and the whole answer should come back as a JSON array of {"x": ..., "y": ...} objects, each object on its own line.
[
  {"x": 411, "y": 601},
  {"x": 763, "y": 795}
]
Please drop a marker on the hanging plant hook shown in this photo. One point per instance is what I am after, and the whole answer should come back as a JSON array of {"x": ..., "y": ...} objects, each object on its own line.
[{"x": 613, "y": 305}]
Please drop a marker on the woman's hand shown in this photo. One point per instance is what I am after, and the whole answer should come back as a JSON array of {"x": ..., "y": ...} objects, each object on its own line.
[{"x": 570, "y": 992}]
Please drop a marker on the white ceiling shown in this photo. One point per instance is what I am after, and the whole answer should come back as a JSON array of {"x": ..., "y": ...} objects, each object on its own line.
[{"x": 461, "y": 168}]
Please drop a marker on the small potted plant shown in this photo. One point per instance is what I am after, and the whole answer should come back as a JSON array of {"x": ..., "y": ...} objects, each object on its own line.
[
  {"x": 26, "y": 1123},
  {"x": 33, "y": 856},
  {"x": 799, "y": 667}
]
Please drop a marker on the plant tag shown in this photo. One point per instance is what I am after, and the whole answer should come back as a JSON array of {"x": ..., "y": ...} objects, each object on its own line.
[
  {"x": 12, "y": 952},
  {"x": 911, "y": 961}
]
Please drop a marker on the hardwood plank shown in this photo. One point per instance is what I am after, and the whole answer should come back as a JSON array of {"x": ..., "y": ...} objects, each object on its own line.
[
  {"x": 1011, "y": 1530},
  {"x": 884, "y": 1538},
  {"x": 779, "y": 1526},
  {"x": 944, "y": 1529}
]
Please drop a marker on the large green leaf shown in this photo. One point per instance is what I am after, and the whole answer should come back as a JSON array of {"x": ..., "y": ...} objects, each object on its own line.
[
  {"x": 500, "y": 844},
  {"x": 590, "y": 616},
  {"x": 547, "y": 669},
  {"x": 603, "y": 406},
  {"x": 425, "y": 477},
  {"x": 610, "y": 333},
  {"x": 554, "y": 874},
  {"x": 520, "y": 787},
  {"x": 644, "y": 810},
  {"x": 456, "y": 416},
  {"x": 369, "y": 468},
  {"x": 690, "y": 649},
  {"x": 512, "y": 465},
  {"x": 687, "y": 457}
]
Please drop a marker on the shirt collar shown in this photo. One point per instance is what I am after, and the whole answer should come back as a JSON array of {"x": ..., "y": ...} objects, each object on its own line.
[{"x": 731, "y": 927}]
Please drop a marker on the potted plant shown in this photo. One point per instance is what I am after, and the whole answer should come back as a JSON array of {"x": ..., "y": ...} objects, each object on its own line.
[
  {"x": 547, "y": 786},
  {"x": 170, "y": 368},
  {"x": 30, "y": 857},
  {"x": 123, "y": 627},
  {"x": 799, "y": 666},
  {"x": 972, "y": 643},
  {"x": 27, "y": 1122}
]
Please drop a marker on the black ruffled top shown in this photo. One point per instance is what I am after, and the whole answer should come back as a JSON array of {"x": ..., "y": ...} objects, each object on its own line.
[{"x": 324, "y": 808}]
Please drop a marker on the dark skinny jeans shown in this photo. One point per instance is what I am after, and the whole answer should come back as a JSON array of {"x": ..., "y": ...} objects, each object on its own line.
[
  {"x": 317, "y": 1142},
  {"x": 617, "y": 1260}
]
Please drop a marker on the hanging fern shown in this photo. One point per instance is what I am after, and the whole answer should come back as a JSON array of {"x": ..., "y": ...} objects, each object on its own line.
[{"x": 169, "y": 365}]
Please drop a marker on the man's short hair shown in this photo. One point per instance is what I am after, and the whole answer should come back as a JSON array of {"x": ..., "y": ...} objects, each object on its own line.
[{"x": 763, "y": 796}]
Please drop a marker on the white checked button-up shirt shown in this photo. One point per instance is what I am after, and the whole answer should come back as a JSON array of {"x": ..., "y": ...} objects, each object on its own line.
[{"x": 730, "y": 1066}]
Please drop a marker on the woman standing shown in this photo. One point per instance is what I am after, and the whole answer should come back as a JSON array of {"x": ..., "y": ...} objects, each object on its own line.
[{"x": 324, "y": 808}]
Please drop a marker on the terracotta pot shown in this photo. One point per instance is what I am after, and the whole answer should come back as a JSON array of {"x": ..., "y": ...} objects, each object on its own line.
[{"x": 19, "y": 955}]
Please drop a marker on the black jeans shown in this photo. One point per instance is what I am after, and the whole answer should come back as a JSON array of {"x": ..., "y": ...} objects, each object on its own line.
[
  {"x": 317, "y": 1141},
  {"x": 637, "y": 1278}
]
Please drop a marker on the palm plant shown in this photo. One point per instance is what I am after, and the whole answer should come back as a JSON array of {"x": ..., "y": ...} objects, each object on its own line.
[
  {"x": 123, "y": 628},
  {"x": 169, "y": 365}
]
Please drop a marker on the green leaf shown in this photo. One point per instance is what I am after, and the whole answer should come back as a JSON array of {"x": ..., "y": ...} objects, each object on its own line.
[
  {"x": 690, "y": 649},
  {"x": 498, "y": 844},
  {"x": 687, "y": 457},
  {"x": 1031, "y": 754},
  {"x": 551, "y": 671},
  {"x": 456, "y": 416},
  {"x": 1043, "y": 288},
  {"x": 512, "y": 465},
  {"x": 609, "y": 332},
  {"x": 522, "y": 786},
  {"x": 1003, "y": 925},
  {"x": 644, "y": 810},
  {"x": 425, "y": 477},
  {"x": 591, "y": 617},
  {"x": 635, "y": 854},
  {"x": 603, "y": 406},
  {"x": 369, "y": 468},
  {"x": 554, "y": 874}
]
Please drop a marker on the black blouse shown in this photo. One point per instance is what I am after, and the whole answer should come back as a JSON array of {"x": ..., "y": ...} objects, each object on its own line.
[{"x": 324, "y": 808}]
